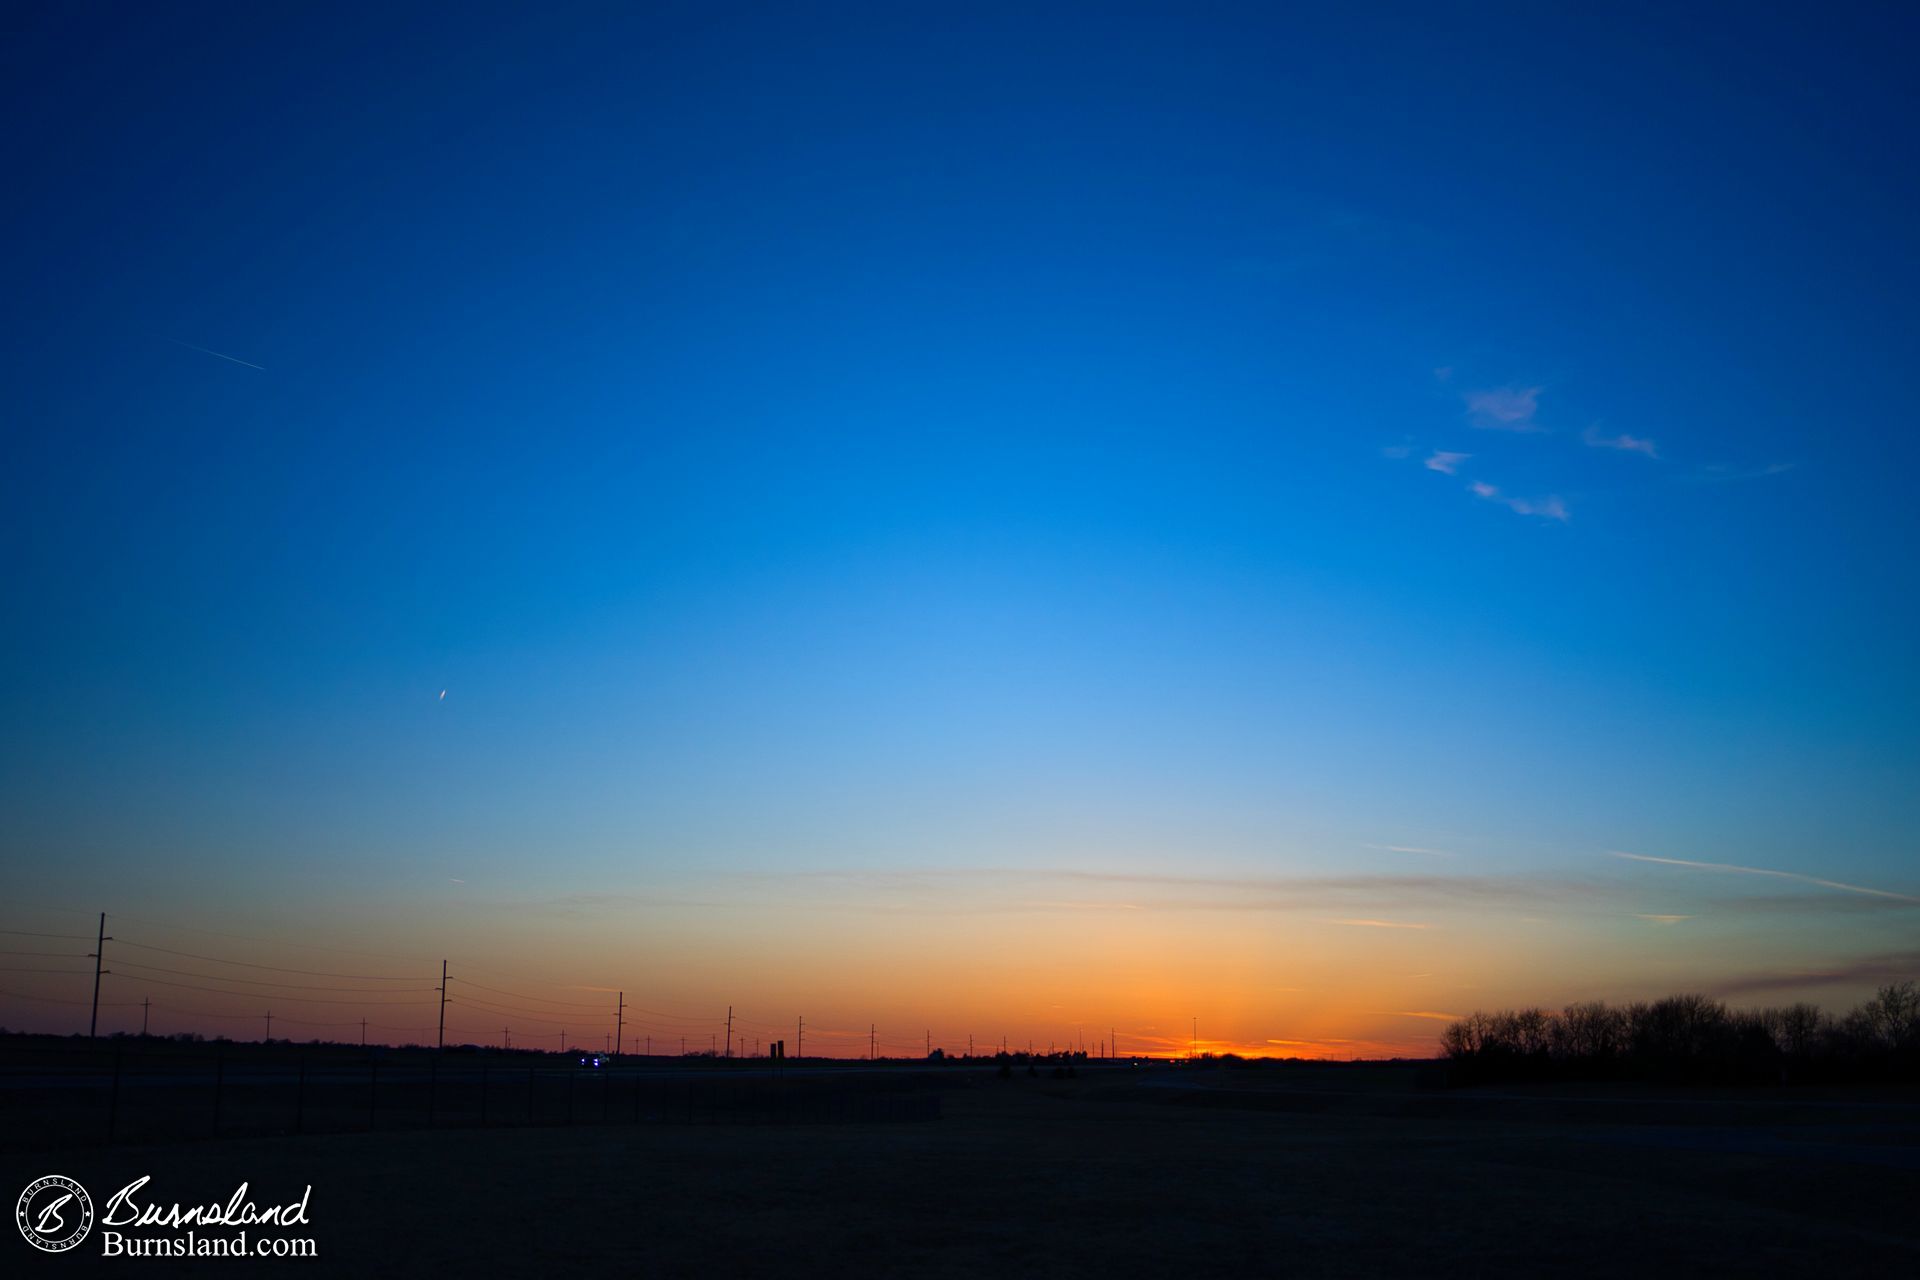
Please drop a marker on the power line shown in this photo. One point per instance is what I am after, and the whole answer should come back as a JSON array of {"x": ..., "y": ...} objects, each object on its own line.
[
  {"x": 223, "y": 991},
  {"x": 207, "y": 1013},
  {"x": 469, "y": 1002},
  {"x": 105, "y": 1004},
  {"x": 262, "y": 982},
  {"x": 273, "y": 968},
  {"x": 270, "y": 942},
  {"x": 519, "y": 995}
]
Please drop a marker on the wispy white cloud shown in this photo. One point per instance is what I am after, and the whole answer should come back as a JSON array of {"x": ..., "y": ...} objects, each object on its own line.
[
  {"x": 1446, "y": 463},
  {"x": 1505, "y": 409},
  {"x": 1551, "y": 508},
  {"x": 1764, "y": 871},
  {"x": 1410, "y": 848},
  {"x": 1623, "y": 442}
]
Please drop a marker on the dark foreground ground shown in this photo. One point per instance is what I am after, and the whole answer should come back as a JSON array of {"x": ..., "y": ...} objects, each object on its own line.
[{"x": 1297, "y": 1171}]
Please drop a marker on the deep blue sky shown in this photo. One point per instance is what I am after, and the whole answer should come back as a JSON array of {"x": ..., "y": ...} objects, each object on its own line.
[{"x": 953, "y": 438}]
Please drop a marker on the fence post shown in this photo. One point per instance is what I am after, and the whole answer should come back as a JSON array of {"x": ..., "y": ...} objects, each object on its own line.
[{"x": 113, "y": 1100}]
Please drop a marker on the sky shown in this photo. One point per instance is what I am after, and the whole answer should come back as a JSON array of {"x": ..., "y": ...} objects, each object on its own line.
[{"x": 959, "y": 521}]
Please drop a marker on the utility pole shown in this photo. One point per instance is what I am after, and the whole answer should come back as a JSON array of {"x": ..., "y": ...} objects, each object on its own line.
[
  {"x": 443, "y": 1006},
  {"x": 563, "y": 1040},
  {"x": 870, "y": 1042},
  {"x": 93, "y": 1024},
  {"x": 619, "y": 1023},
  {"x": 969, "y": 1044},
  {"x": 363, "y": 1033},
  {"x": 649, "y": 1046},
  {"x": 729, "y": 1031},
  {"x": 506, "y": 1037},
  {"x": 145, "y": 1001},
  {"x": 269, "y": 1026}
]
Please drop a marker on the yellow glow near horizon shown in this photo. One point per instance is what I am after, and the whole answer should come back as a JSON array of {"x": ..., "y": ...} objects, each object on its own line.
[{"x": 1278, "y": 968}]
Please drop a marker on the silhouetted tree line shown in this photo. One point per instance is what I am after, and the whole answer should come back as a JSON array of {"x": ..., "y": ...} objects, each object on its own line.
[{"x": 1692, "y": 1039}]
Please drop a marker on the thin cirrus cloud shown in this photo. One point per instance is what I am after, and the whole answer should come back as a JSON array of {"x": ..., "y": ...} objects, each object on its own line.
[
  {"x": 1446, "y": 463},
  {"x": 1722, "y": 473},
  {"x": 1362, "y": 901},
  {"x": 1551, "y": 508},
  {"x": 1891, "y": 967},
  {"x": 1410, "y": 848},
  {"x": 1379, "y": 924},
  {"x": 1765, "y": 871},
  {"x": 209, "y": 351},
  {"x": 1505, "y": 409},
  {"x": 1623, "y": 442}
]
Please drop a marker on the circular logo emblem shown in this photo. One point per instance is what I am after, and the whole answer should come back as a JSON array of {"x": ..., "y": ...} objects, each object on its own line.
[{"x": 54, "y": 1213}]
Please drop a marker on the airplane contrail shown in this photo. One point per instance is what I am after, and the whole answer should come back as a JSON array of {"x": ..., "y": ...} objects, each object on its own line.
[
  {"x": 1763, "y": 871},
  {"x": 223, "y": 355}
]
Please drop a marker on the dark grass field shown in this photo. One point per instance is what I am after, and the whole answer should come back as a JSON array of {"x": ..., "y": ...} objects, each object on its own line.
[{"x": 1274, "y": 1170}]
